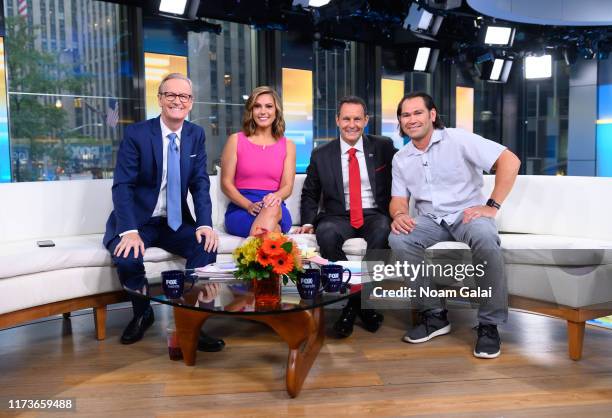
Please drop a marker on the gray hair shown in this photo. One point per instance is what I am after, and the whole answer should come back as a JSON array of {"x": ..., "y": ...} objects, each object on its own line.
[{"x": 174, "y": 76}]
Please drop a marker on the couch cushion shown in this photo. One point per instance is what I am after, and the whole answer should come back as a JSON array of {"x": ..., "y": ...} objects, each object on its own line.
[
  {"x": 293, "y": 202},
  {"x": 546, "y": 250},
  {"x": 43, "y": 209},
  {"x": 37, "y": 289},
  {"x": 557, "y": 205},
  {"x": 518, "y": 249},
  {"x": 219, "y": 202},
  {"x": 227, "y": 242},
  {"x": 574, "y": 286},
  {"x": 24, "y": 257},
  {"x": 354, "y": 247},
  {"x": 305, "y": 240}
]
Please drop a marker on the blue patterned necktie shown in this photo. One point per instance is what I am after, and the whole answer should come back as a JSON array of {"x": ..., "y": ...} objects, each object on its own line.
[{"x": 173, "y": 186}]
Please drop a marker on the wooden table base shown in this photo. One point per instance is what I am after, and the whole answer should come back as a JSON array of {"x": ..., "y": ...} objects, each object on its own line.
[{"x": 303, "y": 331}]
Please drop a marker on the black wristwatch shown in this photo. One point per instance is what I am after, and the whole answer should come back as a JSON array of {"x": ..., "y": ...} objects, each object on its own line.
[{"x": 492, "y": 203}]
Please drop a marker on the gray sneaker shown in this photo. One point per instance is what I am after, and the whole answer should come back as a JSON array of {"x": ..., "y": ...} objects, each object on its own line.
[{"x": 432, "y": 325}]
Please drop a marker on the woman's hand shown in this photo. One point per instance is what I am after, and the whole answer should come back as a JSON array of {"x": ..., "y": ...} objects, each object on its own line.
[
  {"x": 254, "y": 208},
  {"x": 271, "y": 200}
]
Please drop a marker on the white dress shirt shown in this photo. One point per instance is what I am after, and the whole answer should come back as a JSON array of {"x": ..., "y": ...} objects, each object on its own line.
[
  {"x": 367, "y": 197},
  {"x": 160, "y": 207}
]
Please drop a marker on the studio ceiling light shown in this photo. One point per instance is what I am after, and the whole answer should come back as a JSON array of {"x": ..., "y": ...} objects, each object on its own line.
[
  {"x": 538, "y": 67},
  {"x": 176, "y": 7},
  {"x": 420, "y": 20},
  {"x": 497, "y": 70},
  {"x": 420, "y": 64},
  {"x": 426, "y": 59},
  {"x": 318, "y": 3},
  {"x": 179, "y": 9},
  {"x": 499, "y": 35}
]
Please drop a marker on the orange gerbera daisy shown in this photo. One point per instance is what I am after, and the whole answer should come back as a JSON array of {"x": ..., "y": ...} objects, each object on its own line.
[
  {"x": 263, "y": 258},
  {"x": 282, "y": 265},
  {"x": 272, "y": 246}
]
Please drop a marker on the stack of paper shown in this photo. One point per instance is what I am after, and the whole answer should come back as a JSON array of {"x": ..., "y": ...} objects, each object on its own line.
[{"x": 217, "y": 270}]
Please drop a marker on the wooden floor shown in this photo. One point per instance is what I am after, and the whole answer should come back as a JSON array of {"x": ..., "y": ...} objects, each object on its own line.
[{"x": 365, "y": 375}]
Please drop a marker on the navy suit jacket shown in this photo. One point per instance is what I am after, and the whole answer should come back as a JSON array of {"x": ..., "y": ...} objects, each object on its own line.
[
  {"x": 138, "y": 176},
  {"x": 324, "y": 188}
]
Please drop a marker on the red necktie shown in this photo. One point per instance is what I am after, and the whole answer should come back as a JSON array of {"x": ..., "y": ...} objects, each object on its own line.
[{"x": 355, "y": 190}]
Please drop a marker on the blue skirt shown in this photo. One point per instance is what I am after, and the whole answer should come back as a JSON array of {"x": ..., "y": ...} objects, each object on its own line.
[{"x": 238, "y": 221}]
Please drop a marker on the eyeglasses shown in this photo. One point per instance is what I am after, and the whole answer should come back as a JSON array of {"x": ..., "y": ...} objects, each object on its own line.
[{"x": 184, "y": 98}]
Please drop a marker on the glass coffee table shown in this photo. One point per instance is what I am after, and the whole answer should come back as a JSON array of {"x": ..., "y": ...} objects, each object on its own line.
[{"x": 300, "y": 323}]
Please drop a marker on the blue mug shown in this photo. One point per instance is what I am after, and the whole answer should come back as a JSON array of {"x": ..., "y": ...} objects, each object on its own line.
[
  {"x": 173, "y": 283},
  {"x": 332, "y": 276},
  {"x": 309, "y": 283}
]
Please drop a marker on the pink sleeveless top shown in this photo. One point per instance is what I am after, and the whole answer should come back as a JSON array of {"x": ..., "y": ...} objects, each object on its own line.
[{"x": 259, "y": 167}]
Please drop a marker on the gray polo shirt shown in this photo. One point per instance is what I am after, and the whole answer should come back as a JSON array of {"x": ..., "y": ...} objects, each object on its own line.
[{"x": 445, "y": 178}]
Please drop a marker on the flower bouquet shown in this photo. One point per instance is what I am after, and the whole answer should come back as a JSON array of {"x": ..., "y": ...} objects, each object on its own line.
[{"x": 264, "y": 259}]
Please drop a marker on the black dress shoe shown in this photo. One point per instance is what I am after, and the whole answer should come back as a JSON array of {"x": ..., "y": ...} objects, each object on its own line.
[
  {"x": 137, "y": 327},
  {"x": 344, "y": 325},
  {"x": 371, "y": 319},
  {"x": 209, "y": 344}
]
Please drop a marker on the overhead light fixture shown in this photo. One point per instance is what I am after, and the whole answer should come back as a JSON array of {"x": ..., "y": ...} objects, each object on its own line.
[
  {"x": 498, "y": 35},
  {"x": 538, "y": 67},
  {"x": 310, "y": 3},
  {"x": 421, "y": 21},
  {"x": 443, "y": 4},
  {"x": 424, "y": 20},
  {"x": 497, "y": 70},
  {"x": 420, "y": 64},
  {"x": 179, "y": 9},
  {"x": 176, "y": 7},
  {"x": 426, "y": 59}
]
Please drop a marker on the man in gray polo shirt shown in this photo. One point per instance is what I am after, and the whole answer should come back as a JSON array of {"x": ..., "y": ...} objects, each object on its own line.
[{"x": 441, "y": 170}]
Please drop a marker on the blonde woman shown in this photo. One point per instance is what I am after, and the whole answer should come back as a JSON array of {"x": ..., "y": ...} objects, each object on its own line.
[{"x": 258, "y": 168}]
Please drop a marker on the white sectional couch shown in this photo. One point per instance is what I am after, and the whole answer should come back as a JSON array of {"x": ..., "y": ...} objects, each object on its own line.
[
  {"x": 556, "y": 235},
  {"x": 542, "y": 213}
]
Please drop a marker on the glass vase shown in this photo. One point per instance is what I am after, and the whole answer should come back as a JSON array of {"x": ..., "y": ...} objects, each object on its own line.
[{"x": 267, "y": 292}]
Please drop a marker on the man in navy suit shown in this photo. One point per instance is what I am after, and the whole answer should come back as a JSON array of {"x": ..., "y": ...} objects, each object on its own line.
[{"x": 158, "y": 161}]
